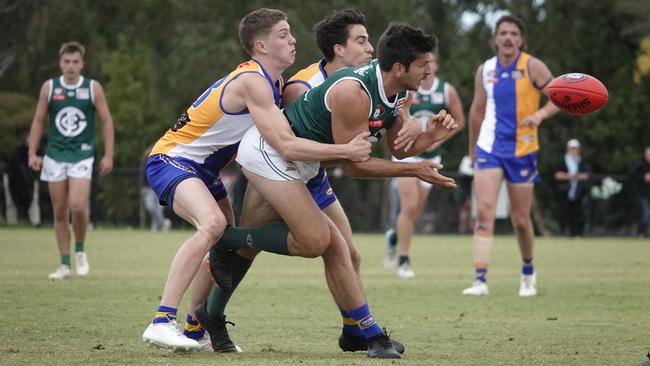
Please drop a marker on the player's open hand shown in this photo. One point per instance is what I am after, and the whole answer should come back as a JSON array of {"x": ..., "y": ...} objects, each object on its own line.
[
  {"x": 406, "y": 136},
  {"x": 531, "y": 121},
  {"x": 428, "y": 172},
  {"x": 441, "y": 126},
  {"x": 359, "y": 147},
  {"x": 105, "y": 165},
  {"x": 35, "y": 162}
]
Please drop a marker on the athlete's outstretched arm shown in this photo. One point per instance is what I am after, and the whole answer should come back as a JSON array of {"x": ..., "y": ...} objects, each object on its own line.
[
  {"x": 350, "y": 104},
  {"x": 275, "y": 129}
]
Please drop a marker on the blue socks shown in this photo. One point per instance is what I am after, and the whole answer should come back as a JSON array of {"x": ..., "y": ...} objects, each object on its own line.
[
  {"x": 192, "y": 328},
  {"x": 365, "y": 321},
  {"x": 164, "y": 314},
  {"x": 349, "y": 325},
  {"x": 480, "y": 274},
  {"x": 527, "y": 269}
]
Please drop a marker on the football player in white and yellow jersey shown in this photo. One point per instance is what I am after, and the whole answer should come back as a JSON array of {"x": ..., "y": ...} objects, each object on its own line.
[
  {"x": 503, "y": 119},
  {"x": 183, "y": 168}
]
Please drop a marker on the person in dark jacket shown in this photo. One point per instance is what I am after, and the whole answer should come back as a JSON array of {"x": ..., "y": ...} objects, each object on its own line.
[
  {"x": 572, "y": 184},
  {"x": 640, "y": 175}
]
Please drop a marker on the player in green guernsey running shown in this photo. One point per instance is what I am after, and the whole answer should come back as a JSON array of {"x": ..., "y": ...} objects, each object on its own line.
[
  {"x": 352, "y": 101},
  {"x": 433, "y": 96},
  {"x": 71, "y": 101}
]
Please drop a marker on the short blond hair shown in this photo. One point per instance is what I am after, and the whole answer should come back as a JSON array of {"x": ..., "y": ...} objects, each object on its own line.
[
  {"x": 258, "y": 23},
  {"x": 72, "y": 47}
]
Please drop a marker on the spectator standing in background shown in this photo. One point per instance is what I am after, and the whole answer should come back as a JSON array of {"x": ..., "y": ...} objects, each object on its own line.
[{"x": 572, "y": 184}]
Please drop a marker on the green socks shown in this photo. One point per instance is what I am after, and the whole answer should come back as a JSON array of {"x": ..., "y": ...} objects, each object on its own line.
[
  {"x": 79, "y": 246},
  {"x": 268, "y": 237},
  {"x": 65, "y": 259},
  {"x": 217, "y": 300}
]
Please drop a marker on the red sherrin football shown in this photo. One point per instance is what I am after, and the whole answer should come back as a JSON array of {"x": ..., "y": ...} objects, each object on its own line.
[{"x": 577, "y": 93}]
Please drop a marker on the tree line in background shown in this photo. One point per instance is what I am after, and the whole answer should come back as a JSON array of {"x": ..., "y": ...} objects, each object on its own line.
[{"x": 154, "y": 57}]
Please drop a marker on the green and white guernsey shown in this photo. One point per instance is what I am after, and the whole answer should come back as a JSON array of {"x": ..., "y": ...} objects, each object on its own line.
[
  {"x": 71, "y": 133},
  {"x": 311, "y": 117},
  {"x": 425, "y": 104}
]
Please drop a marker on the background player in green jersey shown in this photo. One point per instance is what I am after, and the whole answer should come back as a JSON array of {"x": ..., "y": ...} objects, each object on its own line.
[
  {"x": 71, "y": 101},
  {"x": 433, "y": 96}
]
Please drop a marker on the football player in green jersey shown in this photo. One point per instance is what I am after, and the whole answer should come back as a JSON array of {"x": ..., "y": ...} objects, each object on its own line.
[
  {"x": 433, "y": 96},
  {"x": 71, "y": 101}
]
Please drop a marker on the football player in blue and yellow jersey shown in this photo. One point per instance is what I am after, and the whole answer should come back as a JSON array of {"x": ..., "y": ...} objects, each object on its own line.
[
  {"x": 503, "y": 143},
  {"x": 71, "y": 101},
  {"x": 183, "y": 168}
]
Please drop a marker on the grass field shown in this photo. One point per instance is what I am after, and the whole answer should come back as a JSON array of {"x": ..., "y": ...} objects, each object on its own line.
[{"x": 593, "y": 307}]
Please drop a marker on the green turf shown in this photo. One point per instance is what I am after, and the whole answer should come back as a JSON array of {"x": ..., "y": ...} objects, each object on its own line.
[{"x": 593, "y": 307}]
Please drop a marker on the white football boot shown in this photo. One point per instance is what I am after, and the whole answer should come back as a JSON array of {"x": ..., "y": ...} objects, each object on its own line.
[
  {"x": 527, "y": 285},
  {"x": 62, "y": 272},
  {"x": 81, "y": 263},
  {"x": 478, "y": 288},
  {"x": 405, "y": 272},
  {"x": 169, "y": 335}
]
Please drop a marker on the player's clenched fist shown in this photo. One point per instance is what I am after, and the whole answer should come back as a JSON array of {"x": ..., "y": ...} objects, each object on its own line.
[{"x": 359, "y": 147}]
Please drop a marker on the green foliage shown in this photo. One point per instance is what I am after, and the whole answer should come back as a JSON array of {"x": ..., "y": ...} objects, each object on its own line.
[{"x": 154, "y": 57}]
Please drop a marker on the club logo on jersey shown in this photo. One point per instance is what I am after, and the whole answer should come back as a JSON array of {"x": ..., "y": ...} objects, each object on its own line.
[
  {"x": 70, "y": 121},
  {"x": 517, "y": 74},
  {"x": 83, "y": 93},
  {"x": 379, "y": 111},
  {"x": 490, "y": 77},
  {"x": 363, "y": 69},
  {"x": 505, "y": 75}
]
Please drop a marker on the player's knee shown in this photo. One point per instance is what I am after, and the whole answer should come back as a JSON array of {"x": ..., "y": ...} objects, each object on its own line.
[
  {"x": 211, "y": 228},
  {"x": 315, "y": 244},
  {"x": 411, "y": 212},
  {"x": 61, "y": 213},
  {"x": 520, "y": 222},
  {"x": 356, "y": 260},
  {"x": 77, "y": 208}
]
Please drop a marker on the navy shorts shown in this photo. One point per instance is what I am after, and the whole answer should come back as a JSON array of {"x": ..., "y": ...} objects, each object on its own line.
[
  {"x": 515, "y": 170},
  {"x": 164, "y": 173},
  {"x": 320, "y": 189}
]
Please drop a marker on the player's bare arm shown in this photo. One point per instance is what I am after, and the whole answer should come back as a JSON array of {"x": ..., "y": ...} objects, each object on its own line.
[
  {"x": 540, "y": 76},
  {"x": 350, "y": 105},
  {"x": 292, "y": 92},
  {"x": 256, "y": 95},
  {"x": 36, "y": 132},
  {"x": 108, "y": 132},
  {"x": 476, "y": 111},
  {"x": 438, "y": 129},
  {"x": 408, "y": 130}
]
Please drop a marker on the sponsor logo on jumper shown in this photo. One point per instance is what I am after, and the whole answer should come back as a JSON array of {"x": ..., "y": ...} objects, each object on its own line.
[
  {"x": 83, "y": 93},
  {"x": 517, "y": 74}
]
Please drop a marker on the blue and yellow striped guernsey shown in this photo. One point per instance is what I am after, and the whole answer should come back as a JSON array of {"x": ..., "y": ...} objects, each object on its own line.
[
  {"x": 207, "y": 133},
  {"x": 511, "y": 96}
]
